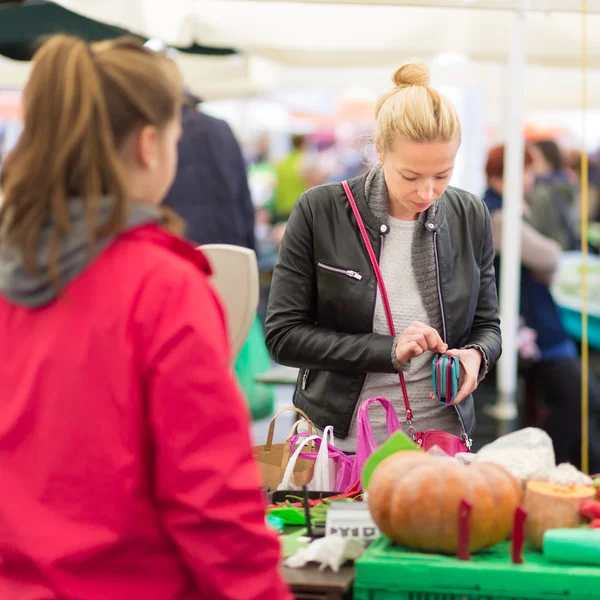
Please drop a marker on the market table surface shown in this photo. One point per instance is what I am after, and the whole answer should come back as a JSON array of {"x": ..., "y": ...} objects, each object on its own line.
[{"x": 309, "y": 583}]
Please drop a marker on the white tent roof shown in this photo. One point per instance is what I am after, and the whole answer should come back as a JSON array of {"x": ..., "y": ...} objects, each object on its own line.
[
  {"x": 358, "y": 32},
  {"x": 546, "y": 88},
  {"x": 216, "y": 78},
  {"x": 299, "y": 40},
  {"x": 530, "y": 5},
  {"x": 353, "y": 35}
]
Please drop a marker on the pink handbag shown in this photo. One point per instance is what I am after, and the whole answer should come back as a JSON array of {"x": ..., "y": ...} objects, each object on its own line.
[{"x": 449, "y": 443}]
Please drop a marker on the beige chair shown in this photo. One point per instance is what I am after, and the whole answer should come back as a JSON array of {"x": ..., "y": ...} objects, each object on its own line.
[{"x": 235, "y": 277}]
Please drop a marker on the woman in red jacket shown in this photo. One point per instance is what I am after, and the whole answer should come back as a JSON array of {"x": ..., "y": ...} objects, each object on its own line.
[{"x": 126, "y": 470}]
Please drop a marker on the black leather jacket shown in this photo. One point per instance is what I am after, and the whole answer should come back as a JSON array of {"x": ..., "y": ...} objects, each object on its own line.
[{"x": 322, "y": 298}]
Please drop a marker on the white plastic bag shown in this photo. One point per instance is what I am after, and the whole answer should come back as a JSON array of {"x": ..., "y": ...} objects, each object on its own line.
[
  {"x": 567, "y": 474},
  {"x": 331, "y": 551},
  {"x": 527, "y": 453},
  {"x": 324, "y": 472},
  {"x": 325, "y": 469},
  {"x": 288, "y": 483}
]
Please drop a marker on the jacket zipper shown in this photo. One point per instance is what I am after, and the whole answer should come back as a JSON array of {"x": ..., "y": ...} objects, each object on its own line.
[
  {"x": 465, "y": 436},
  {"x": 305, "y": 378},
  {"x": 348, "y": 272}
]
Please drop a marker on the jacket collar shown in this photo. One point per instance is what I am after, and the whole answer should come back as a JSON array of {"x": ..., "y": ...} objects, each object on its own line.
[
  {"x": 159, "y": 236},
  {"x": 431, "y": 220}
]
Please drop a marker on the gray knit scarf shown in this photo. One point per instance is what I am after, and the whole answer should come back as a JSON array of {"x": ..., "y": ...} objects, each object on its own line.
[
  {"x": 17, "y": 284},
  {"x": 423, "y": 251}
]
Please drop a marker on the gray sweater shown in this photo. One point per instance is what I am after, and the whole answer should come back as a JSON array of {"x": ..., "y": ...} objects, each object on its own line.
[{"x": 412, "y": 291}]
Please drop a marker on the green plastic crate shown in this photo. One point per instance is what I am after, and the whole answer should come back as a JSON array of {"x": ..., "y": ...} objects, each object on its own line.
[{"x": 387, "y": 572}]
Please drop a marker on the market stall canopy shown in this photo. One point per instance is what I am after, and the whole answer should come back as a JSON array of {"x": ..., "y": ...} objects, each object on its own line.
[
  {"x": 546, "y": 88},
  {"x": 307, "y": 43},
  {"x": 25, "y": 24},
  {"x": 359, "y": 33},
  {"x": 217, "y": 78},
  {"x": 218, "y": 72},
  {"x": 543, "y": 5}
]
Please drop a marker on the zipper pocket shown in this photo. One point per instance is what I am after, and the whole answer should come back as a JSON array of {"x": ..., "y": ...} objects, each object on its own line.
[
  {"x": 347, "y": 272},
  {"x": 305, "y": 378}
]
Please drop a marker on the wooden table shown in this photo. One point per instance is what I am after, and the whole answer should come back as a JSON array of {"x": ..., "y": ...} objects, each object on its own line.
[{"x": 309, "y": 583}]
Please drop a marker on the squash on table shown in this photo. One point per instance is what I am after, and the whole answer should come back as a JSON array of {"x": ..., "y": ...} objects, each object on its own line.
[
  {"x": 414, "y": 499},
  {"x": 552, "y": 506}
]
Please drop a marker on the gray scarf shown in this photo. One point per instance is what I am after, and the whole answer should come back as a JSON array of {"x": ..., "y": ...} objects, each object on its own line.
[
  {"x": 423, "y": 251},
  {"x": 18, "y": 286}
]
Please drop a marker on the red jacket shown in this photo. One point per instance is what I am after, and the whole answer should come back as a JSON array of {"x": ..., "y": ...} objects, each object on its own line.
[{"x": 126, "y": 470}]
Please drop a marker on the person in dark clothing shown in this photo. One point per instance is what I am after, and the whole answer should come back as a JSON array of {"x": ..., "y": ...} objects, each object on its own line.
[
  {"x": 558, "y": 371},
  {"x": 552, "y": 198},
  {"x": 211, "y": 186}
]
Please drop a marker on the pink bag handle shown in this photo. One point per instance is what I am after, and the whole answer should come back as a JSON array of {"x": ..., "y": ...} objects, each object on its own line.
[
  {"x": 384, "y": 297},
  {"x": 365, "y": 432},
  {"x": 365, "y": 443}
]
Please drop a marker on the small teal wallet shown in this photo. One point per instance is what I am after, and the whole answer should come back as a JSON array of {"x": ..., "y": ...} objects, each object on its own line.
[{"x": 445, "y": 373}]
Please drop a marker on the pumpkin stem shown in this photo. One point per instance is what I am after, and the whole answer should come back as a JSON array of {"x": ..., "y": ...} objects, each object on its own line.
[
  {"x": 518, "y": 535},
  {"x": 464, "y": 530}
]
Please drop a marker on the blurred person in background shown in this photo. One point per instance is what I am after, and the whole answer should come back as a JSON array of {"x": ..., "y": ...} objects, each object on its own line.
[
  {"x": 262, "y": 175},
  {"x": 127, "y": 470},
  {"x": 291, "y": 179},
  {"x": 296, "y": 173},
  {"x": 348, "y": 146},
  {"x": 553, "y": 196},
  {"x": 212, "y": 194},
  {"x": 558, "y": 369},
  {"x": 262, "y": 178},
  {"x": 573, "y": 166},
  {"x": 435, "y": 251},
  {"x": 210, "y": 190}
]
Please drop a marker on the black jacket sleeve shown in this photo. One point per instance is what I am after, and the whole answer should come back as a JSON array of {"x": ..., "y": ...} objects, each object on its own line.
[
  {"x": 485, "y": 331},
  {"x": 293, "y": 337}
]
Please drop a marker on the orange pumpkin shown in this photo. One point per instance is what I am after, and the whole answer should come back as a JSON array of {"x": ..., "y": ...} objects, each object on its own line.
[{"x": 414, "y": 500}]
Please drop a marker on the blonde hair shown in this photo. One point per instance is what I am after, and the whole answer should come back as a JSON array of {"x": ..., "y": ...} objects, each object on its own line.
[
  {"x": 80, "y": 105},
  {"x": 414, "y": 110}
]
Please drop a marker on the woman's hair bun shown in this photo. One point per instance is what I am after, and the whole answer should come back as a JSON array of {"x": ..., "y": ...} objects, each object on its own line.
[{"x": 413, "y": 73}]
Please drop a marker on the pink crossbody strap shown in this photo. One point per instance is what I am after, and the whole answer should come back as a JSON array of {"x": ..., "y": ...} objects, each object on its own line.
[{"x": 382, "y": 291}]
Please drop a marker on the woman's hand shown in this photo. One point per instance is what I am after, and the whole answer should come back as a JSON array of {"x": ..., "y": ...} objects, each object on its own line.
[
  {"x": 470, "y": 362},
  {"x": 416, "y": 339}
]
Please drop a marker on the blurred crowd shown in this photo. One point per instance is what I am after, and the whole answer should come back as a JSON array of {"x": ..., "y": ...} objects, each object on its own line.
[{"x": 552, "y": 199}]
